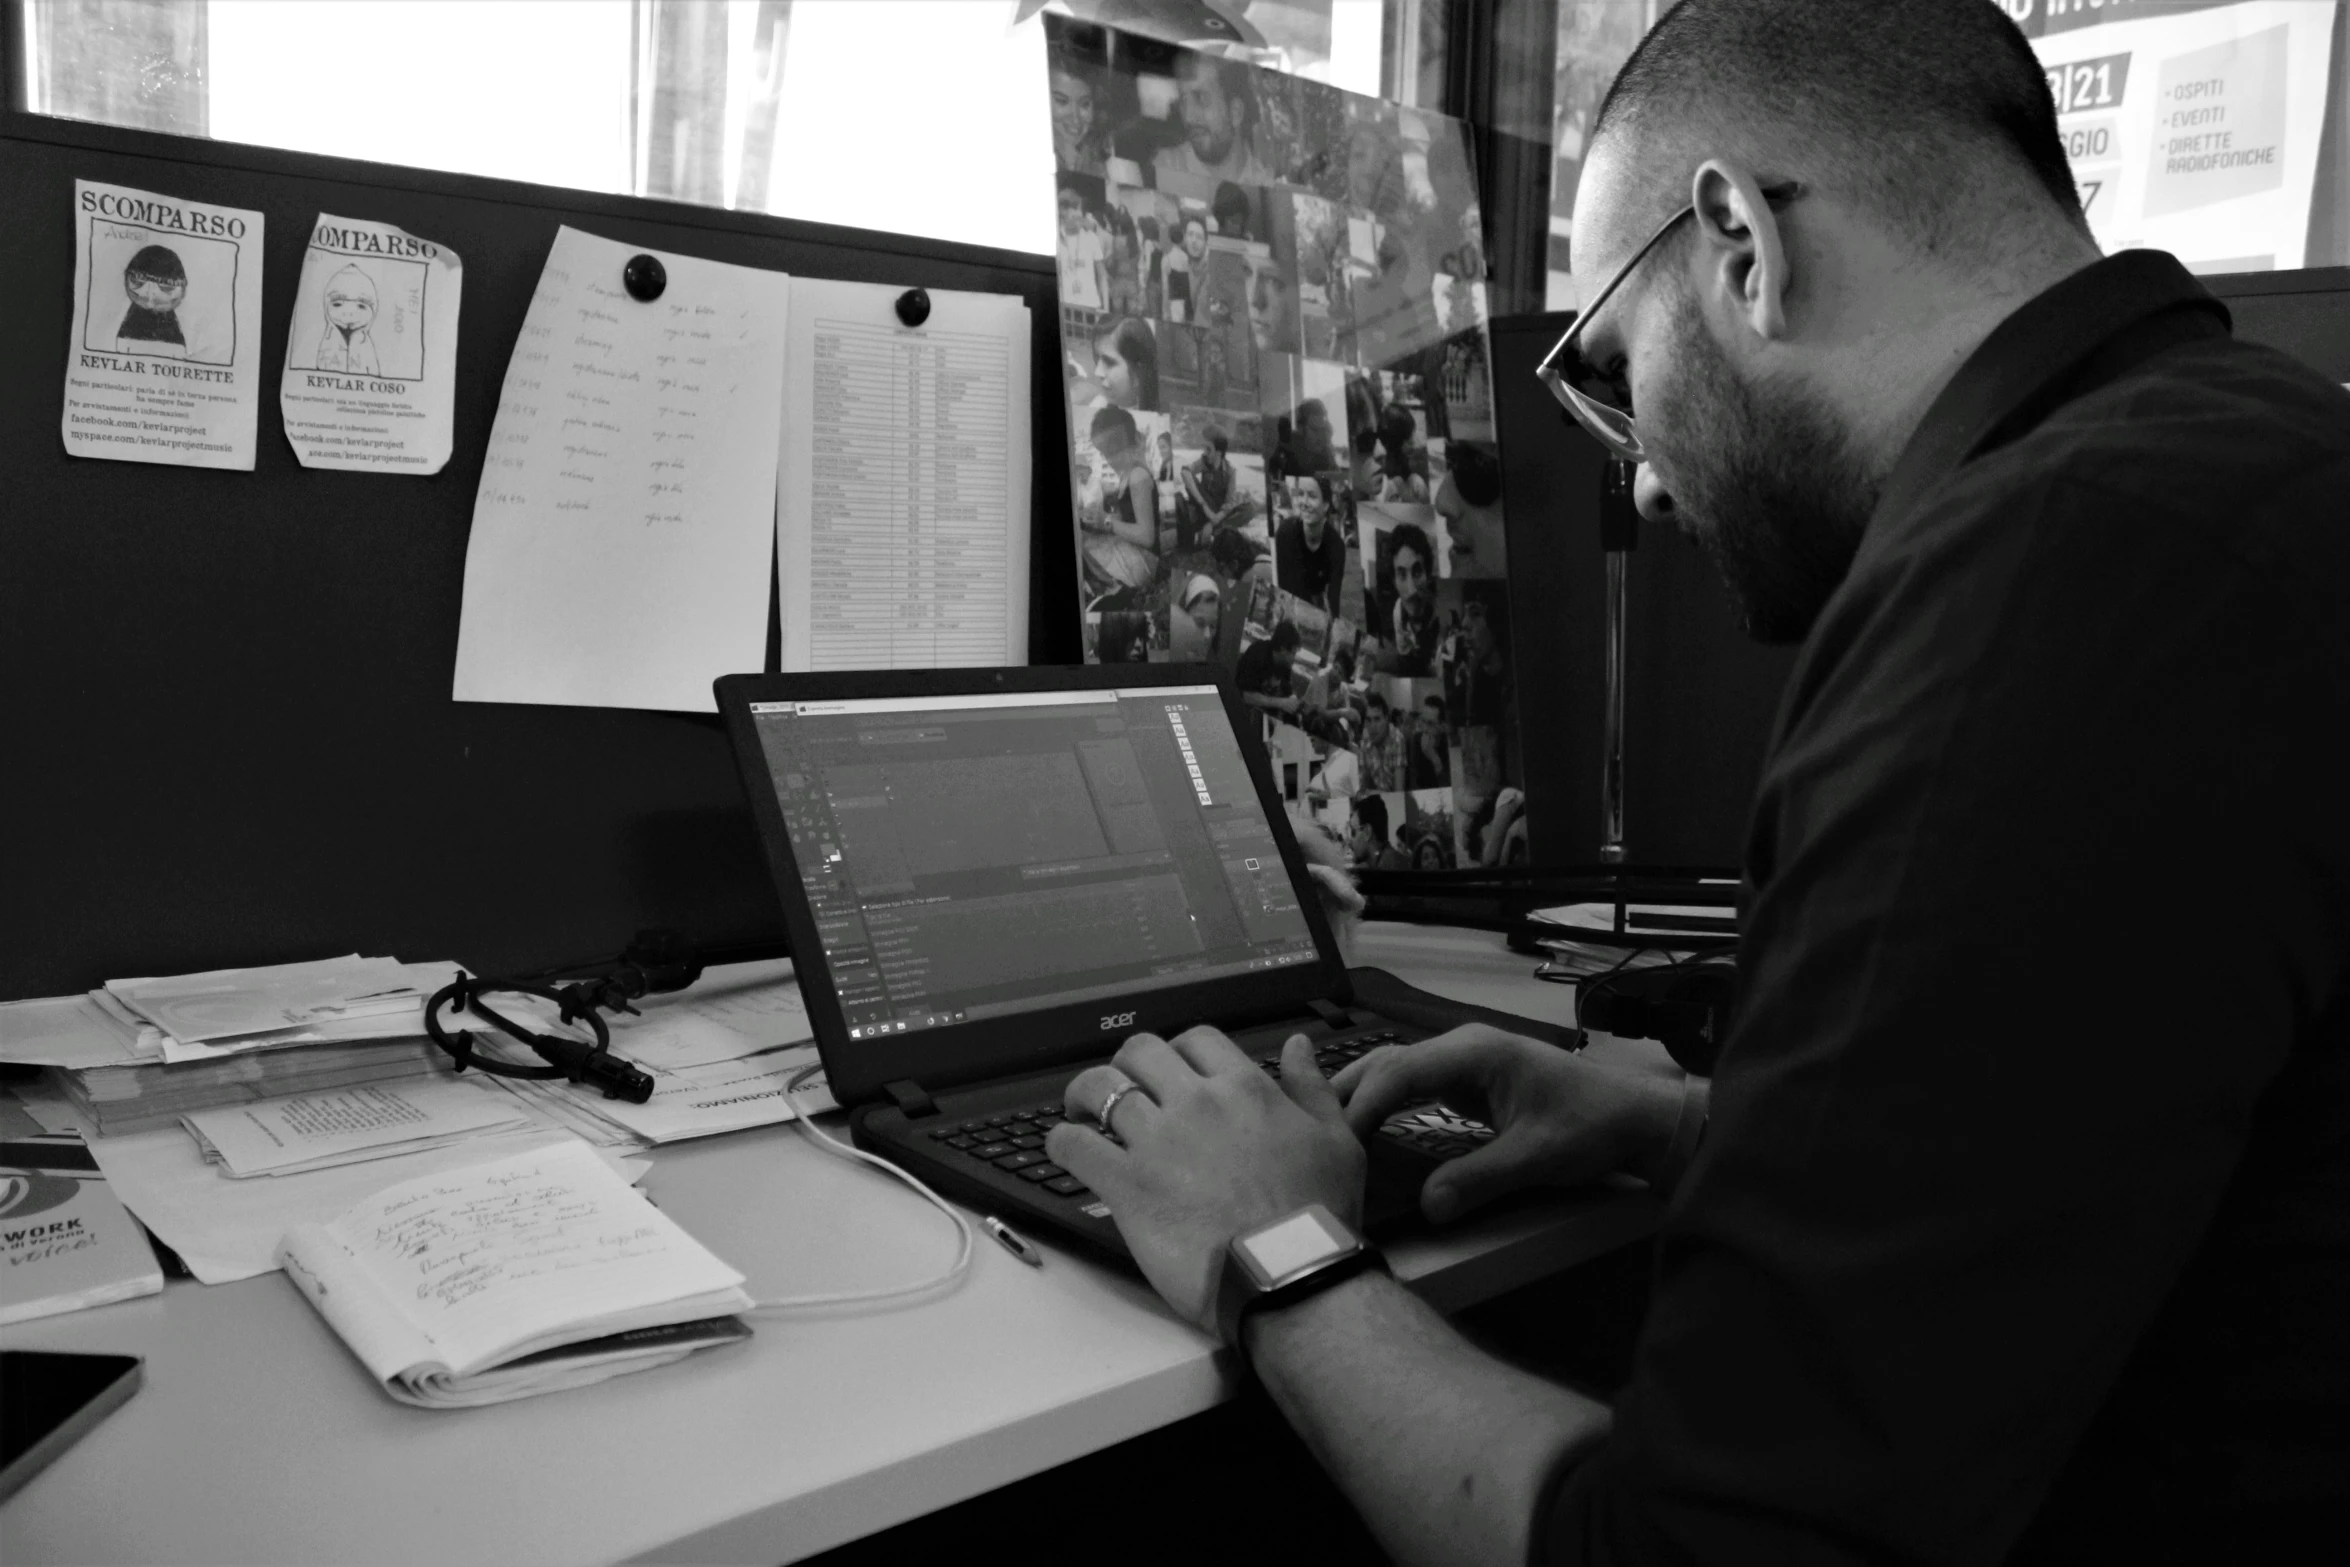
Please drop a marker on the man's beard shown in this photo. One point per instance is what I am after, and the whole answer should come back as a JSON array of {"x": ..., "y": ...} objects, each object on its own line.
[
  {"x": 1770, "y": 486},
  {"x": 1210, "y": 143}
]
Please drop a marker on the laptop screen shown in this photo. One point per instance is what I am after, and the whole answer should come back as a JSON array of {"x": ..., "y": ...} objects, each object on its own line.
[{"x": 978, "y": 856}]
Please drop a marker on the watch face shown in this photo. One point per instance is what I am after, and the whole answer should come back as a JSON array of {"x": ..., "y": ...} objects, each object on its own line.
[{"x": 1307, "y": 1237}]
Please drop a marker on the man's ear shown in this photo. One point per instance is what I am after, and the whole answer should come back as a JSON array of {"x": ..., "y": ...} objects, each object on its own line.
[{"x": 1746, "y": 260}]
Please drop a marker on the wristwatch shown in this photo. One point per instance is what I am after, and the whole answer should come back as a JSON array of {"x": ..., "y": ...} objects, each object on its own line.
[{"x": 1273, "y": 1265}]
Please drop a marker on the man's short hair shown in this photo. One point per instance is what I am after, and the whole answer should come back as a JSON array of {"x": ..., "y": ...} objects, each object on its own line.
[
  {"x": 1214, "y": 435},
  {"x": 1285, "y": 638},
  {"x": 1110, "y": 419},
  {"x": 1890, "y": 100},
  {"x": 1374, "y": 702},
  {"x": 1371, "y": 811}
]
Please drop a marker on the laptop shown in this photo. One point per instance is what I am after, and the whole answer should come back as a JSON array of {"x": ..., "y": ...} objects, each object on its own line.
[{"x": 992, "y": 877}]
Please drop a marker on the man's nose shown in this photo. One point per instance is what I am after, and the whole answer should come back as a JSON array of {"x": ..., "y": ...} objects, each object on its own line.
[{"x": 1649, "y": 494}]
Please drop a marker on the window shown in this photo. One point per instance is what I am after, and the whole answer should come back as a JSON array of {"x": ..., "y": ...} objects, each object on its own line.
[
  {"x": 922, "y": 117},
  {"x": 928, "y": 117}
]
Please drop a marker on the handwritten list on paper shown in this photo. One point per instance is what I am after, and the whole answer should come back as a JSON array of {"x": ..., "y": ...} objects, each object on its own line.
[
  {"x": 620, "y": 543},
  {"x": 902, "y": 516},
  {"x": 550, "y": 1228}
]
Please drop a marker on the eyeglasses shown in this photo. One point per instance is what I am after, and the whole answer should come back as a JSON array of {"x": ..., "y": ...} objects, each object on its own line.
[{"x": 1611, "y": 423}]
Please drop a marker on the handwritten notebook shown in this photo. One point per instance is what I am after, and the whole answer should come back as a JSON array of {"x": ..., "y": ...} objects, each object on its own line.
[{"x": 543, "y": 1270}]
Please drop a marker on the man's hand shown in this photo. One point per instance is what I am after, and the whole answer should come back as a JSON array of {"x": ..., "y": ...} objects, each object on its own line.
[
  {"x": 1212, "y": 1147},
  {"x": 1561, "y": 1118}
]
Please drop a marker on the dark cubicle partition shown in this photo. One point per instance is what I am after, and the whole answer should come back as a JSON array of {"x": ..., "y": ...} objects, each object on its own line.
[
  {"x": 229, "y": 738},
  {"x": 1699, "y": 696}
]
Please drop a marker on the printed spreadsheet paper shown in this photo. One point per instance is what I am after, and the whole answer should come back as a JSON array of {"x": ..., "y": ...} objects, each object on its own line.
[
  {"x": 901, "y": 512},
  {"x": 620, "y": 535}
]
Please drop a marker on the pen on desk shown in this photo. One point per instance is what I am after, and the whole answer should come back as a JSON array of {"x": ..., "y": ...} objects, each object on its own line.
[{"x": 1010, "y": 1240}]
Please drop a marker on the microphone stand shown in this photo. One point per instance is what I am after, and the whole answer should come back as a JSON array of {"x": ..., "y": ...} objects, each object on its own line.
[{"x": 1619, "y": 535}]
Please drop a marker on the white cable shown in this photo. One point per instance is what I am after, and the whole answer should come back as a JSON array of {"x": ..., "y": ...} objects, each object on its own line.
[{"x": 906, "y": 1292}]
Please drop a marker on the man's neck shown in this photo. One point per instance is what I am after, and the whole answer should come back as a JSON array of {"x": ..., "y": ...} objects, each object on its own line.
[{"x": 1920, "y": 333}]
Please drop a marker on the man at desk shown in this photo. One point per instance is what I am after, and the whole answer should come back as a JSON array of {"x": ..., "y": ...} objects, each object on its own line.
[{"x": 2024, "y": 1229}]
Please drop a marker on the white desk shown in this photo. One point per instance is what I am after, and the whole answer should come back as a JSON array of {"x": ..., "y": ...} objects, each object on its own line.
[{"x": 258, "y": 1439}]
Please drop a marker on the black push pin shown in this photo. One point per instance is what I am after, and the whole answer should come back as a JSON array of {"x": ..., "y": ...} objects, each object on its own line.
[
  {"x": 644, "y": 277},
  {"x": 914, "y": 306}
]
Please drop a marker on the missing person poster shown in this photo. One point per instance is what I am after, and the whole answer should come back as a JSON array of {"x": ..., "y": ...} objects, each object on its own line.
[
  {"x": 166, "y": 358},
  {"x": 1283, "y": 458},
  {"x": 370, "y": 380},
  {"x": 2192, "y": 128}
]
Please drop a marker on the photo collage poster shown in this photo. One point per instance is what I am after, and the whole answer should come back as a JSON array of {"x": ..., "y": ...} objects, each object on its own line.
[{"x": 1283, "y": 455}]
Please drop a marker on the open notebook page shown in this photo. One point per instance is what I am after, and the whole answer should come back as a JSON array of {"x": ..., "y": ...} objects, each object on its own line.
[{"x": 472, "y": 1266}]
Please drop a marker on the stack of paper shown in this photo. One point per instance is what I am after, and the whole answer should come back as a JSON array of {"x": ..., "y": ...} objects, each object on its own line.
[
  {"x": 119, "y": 1099},
  {"x": 720, "y": 1055},
  {"x": 121, "y": 1057},
  {"x": 228, "y": 1011},
  {"x": 227, "y": 1229},
  {"x": 317, "y": 1131}
]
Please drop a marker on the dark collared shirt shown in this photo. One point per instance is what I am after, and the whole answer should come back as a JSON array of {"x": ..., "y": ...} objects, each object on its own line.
[{"x": 2023, "y": 1218}]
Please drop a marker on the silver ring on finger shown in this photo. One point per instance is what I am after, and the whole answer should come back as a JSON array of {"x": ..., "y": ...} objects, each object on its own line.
[{"x": 1110, "y": 1104}]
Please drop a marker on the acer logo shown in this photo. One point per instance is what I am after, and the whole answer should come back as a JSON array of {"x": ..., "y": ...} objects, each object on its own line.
[{"x": 1118, "y": 1020}]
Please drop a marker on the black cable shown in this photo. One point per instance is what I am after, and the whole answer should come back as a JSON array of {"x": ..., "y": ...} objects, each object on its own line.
[{"x": 587, "y": 1064}]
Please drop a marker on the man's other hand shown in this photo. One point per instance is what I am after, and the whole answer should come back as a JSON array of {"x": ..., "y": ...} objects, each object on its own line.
[
  {"x": 1212, "y": 1147},
  {"x": 1560, "y": 1118}
]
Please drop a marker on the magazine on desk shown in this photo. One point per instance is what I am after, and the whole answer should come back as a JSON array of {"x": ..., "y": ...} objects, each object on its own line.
[{"x": 530, "y": 1274}]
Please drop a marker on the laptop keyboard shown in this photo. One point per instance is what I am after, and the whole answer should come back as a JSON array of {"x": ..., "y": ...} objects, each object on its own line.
[{"x": 1013, "y": 1140}]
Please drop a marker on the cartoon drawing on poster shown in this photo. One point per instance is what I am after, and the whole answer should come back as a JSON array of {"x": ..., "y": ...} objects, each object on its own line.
[
  {"x": 166, "y": 360},
  {"x": 350, "y": 308},
  {"x": 2191, "y": 129},
  {"x": 157, "y": 282},
  {"x": 370, "y": 379},
  {"x": 1273, "y": 326}
]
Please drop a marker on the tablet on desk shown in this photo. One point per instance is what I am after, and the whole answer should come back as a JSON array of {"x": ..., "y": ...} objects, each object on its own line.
[{"x": 47, "y": 1402}]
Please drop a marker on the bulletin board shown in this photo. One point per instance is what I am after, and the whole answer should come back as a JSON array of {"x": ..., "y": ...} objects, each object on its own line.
[{"x": 230, "y": 736}]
